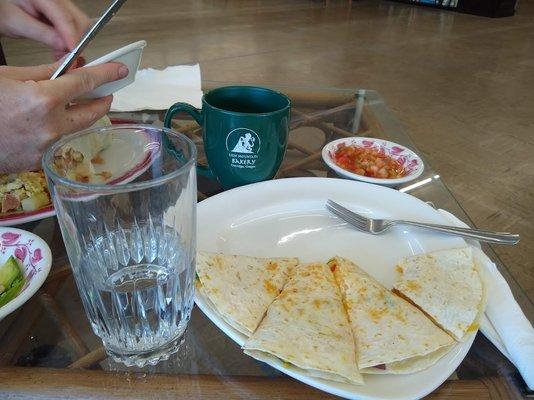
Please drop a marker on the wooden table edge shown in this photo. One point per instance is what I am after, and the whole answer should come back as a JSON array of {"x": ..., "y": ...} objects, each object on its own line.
[{"x": 41, "y": 383}]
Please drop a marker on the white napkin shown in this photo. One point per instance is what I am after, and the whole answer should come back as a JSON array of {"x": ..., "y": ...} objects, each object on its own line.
[
  {"x": 506, "y": 326},
  {"x": 159, "y": 89}
]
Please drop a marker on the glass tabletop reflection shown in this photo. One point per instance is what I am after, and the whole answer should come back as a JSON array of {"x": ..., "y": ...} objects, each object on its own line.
[{"x": 52, "y": 333}]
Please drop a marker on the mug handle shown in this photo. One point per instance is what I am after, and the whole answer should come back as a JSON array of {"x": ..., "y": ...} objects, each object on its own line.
[{"x": 198, "y": 117}]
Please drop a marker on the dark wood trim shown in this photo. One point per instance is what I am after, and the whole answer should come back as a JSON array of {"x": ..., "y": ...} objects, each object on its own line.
[
  {"x": 484, "y": 8},
  {"x": 2, "y": 56},
  {"x": 45, "y": 383}
]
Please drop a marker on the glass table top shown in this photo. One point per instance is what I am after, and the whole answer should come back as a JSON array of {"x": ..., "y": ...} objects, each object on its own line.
[{"x": 48, "y": 346}]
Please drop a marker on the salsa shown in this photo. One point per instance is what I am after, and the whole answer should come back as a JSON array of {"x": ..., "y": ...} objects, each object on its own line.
[{"x": 369, "y": 162}]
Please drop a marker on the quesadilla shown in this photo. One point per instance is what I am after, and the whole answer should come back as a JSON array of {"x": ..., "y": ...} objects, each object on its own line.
[
  {"x": 307, "y": 327},
  {"x": 241, "y": 288},
  {"x": 446, "y": 286},
  {"x": 391, "y": 335}
]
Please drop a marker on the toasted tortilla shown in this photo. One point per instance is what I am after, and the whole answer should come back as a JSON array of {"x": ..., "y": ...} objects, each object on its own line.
[
  {"x": 241, "y": 288},
  {"x": 410, "y": 365},
  {"x": 391, "y": 335},
  {"x": 307, "y": 328},
  {"x": 447, "y": 286}
]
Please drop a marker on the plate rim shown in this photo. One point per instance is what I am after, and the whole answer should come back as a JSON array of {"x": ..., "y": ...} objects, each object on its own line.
[
  {"x": 121, "y": 51},
  {"x": 22, "y": 217}
]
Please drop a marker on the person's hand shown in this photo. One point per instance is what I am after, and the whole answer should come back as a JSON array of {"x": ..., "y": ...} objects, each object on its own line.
[
  {"x": 34, "y": 113},
  {"x": 56, "y": 23}
]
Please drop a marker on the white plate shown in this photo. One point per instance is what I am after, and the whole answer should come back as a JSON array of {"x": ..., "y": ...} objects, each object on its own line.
[
  {"x": 287, "y": 217},
  {"x": 130, "y": 56},
  {"x": 34, "y": 254},
  {"x": 406, "y": 157},
  {"x": 127, "y": 157}
]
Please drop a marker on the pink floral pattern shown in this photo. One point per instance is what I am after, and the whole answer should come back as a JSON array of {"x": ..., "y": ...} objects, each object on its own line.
[
  {"x": 20, "y": 253},
  {"x": 24, "y": 251},
  {"x": 401, "y": 154},
  {"x": 9, "y": 238}
]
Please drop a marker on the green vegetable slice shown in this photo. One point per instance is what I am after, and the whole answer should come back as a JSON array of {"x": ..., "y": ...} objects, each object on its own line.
[{"x": 11, "y": 279}]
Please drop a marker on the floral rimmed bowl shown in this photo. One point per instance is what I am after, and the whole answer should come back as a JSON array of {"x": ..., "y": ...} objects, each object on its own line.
[
  {"x": 33, "y": 255},
  {"x": 409, "y": 160}
]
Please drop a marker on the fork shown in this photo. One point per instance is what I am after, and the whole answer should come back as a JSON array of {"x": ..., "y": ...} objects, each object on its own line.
[{"x": 378, "y": 226}]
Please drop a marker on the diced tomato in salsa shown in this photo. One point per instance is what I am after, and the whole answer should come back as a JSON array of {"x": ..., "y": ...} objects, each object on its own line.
[{"x": 368, "y": 162}]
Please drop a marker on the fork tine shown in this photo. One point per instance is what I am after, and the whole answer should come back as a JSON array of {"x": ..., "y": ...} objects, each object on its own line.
[
  {"x": 339, "y": 210},
  {"x": 347, "y": 218},
  {"x": 352, "y": 223},
  {"x": 346, "y": 211}
]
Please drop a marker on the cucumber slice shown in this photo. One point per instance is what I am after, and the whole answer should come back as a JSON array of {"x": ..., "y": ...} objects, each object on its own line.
[
  {"x": 12, "y": 292},
  {"x": 12, "y": 280},
  {"x": 9, "y": 272}
]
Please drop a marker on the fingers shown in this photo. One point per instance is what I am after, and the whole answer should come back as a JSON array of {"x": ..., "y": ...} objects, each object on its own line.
[
  {"x": 80, "y": 61},
  {"x": 24, "y": 25},
  {"x": 65, "y": 21},
  {"x": 82, "y": 20},
  {"x": 82, "y": 116},
  {"x": 82, "y": 80},
  {"x": 58, "y": 54},
  {"x": 36, "y": 73}
]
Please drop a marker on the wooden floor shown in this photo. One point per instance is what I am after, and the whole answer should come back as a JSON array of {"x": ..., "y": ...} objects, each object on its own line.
[{"x": 462, "y": 85}]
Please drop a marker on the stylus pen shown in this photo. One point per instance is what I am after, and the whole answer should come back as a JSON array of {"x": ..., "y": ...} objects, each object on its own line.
[{"x": 91, "y": 33}]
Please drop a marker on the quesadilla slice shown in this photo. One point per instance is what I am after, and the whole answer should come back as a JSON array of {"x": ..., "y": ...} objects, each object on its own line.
[
  {"x": 307, "y": 328},
  {"x": 241, "y": 288},
  {"x": 447, "y": 286},
  {"x": 391, "y": 335}
]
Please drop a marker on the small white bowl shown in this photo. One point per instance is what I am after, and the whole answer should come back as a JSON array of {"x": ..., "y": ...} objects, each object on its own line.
[
  {"x": 408, "y": 159},
  {"x": 128, "y": 55},
  {"x": 34, "y": 255}
]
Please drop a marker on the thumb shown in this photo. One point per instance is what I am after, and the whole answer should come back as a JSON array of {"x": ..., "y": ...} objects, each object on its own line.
[{"x": 82, "y": 80}]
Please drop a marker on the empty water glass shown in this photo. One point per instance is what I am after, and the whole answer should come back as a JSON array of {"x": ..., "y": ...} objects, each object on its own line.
[{"x": 125, "y": 198}]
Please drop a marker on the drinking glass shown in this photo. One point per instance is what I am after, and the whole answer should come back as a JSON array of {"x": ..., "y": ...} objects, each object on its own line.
[{"x": 125, "y": 198}]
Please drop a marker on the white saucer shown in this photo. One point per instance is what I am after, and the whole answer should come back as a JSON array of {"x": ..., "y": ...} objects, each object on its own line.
[
  {"x": 128, "y": 55},
  {"x": 35, "y": 257}
]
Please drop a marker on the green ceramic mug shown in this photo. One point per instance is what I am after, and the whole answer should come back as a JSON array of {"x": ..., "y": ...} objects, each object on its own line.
[{"x": 245, "y": 131}]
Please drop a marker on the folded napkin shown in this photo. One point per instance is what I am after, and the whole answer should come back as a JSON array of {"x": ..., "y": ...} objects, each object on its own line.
[
  {"x": 159, "y": 89},
  {"x": 504, "y": 324}
]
